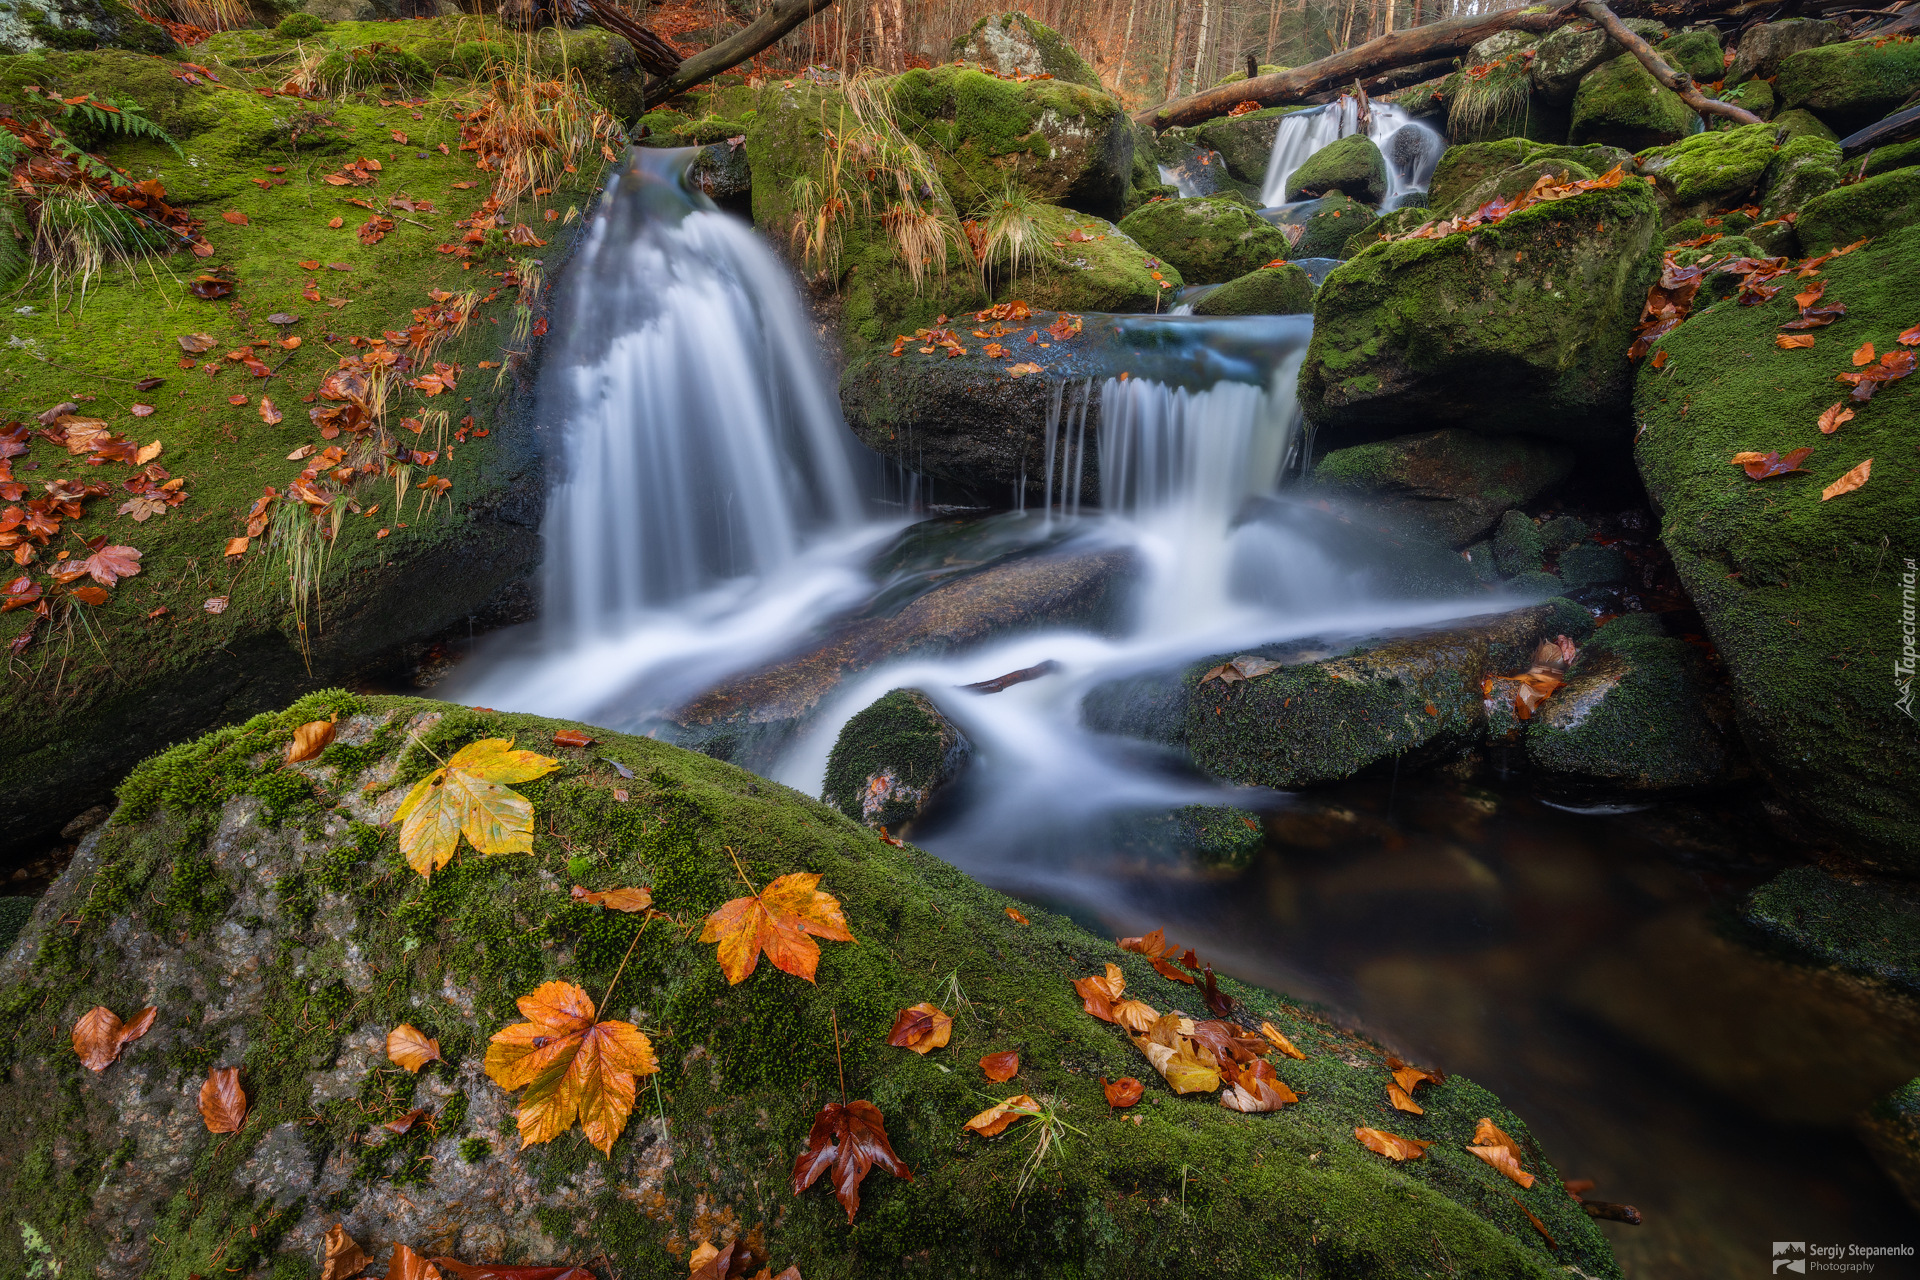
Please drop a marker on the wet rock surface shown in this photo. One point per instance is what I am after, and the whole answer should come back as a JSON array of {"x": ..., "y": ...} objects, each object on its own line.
[{"x": 1453, "y": 484}]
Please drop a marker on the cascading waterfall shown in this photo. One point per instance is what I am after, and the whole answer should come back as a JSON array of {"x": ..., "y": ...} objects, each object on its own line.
[{"x": 1412, "y": 147}]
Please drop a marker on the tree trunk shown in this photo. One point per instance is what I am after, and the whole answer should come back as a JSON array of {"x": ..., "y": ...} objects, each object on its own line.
[
  {"x": 1200, "y": 45},
  {"x": 1273, "y": 30},
  {"x": 1126, "y": 43},
  {"x": 1182, "y": 22}
]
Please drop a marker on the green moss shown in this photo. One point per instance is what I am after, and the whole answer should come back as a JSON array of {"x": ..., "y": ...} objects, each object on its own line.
[
  {"x": 1753, "y": 95},
  {"x": 1805, "y": 167},
  {"x": 1352, "y": 166},
  {"x": 1622, "y": 104},
  {"x": 1710, "y": 170},
  {"x": 474, "y": 1150},
  {"x": 1518, "y": 546},
  {"x": 1697, "y": 52},
  {"x": 1900, "y": 155},
  {"x": 1269, "y": 291},
  {"x": 1800, "y": 123},
  {"x": 1245, "y": 142},
  {"x": 375, "y": 64},
  {"x": 1874, "y": 207},
  {"x": 1208, "y": 239},
  {"x": 902, "y": 735},
  {"x": 1326, "y": 226},
  {"x": 1861, "y": 926},
  {"x": 1464, "y": 170},
  {"x": 1397, "y": 222},
  {"x": 297, "y": 26},
  {"x": 1851, "y": 84}
]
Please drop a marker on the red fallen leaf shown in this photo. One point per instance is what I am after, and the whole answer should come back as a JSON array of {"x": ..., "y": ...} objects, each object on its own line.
[
  {"x": 100, "y": 1035},
  {"x": 141, "y": 410},
  {"x": 1911, "y": 338},
  {"x": 234, "y": 216},
  {"x": 1001, "y": 1067},
  {"x": 400, "y": 1124},
  {"x": 94, "y": 596},
  {"x": 106, "y": 566},
  {"x": 922, "y": 1028},
  {"x": 571, "y": 738},
  {"x": 1765, "y": 466},
  {"x": 1166, "y": 970},
  {"x": 236, "y": 401},
  {"x": 20, "y": 593},
  {"x": 1811, "y": 296},
  {"x": 223, "y": 1103},
  {"x": 310, "y": 265},
  {"x": 850, "y": 1139},
  {"x": 1816, "y": 317},
  {"x": 1123, "y": 1092},
  {"x": 1834, "y": 418},
  {"x": 400, "y": 137},
  {"x": 1848, "y": 482}
]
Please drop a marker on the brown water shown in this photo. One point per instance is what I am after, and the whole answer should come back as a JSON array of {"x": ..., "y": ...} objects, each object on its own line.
[{"x": 1588, "y": 968}]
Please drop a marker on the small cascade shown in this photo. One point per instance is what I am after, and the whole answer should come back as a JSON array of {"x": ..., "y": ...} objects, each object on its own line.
[
  {"x": 1412, "y": 147},
  {"x": 1066, "y": 444}
]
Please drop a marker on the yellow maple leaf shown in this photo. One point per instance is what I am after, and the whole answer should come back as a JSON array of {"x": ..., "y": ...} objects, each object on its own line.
[
  {"x": 572, "y": 1067},
  {"x": 467, "y": 795},
  {"x": 776, "y": 920}
]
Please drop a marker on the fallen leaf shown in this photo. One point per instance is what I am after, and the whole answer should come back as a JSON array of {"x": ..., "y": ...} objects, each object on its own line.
[
  {"x": 309, "y": 740},
  {"x": 1410, "y": 1078},
  {"x": 1024, "y": 368},
  {"x": 106, "y": 566},
  {"x": 402, "y": 1123},
  {"x": 1848, "y": 482},
  {"x": 223, "y": 1103},
  {"x": 850, "y": 1139},
  {"x": 992, "y": 1122},
  {"x": 1765, "y": 466},
  {"x": 236, "y": 401},
  {"x": 1790, "y": 341},
  {"x": 408, "y": 1265},
  {"x": 1135, "y": 1015},
  {"x": 1834, "y": 418},
  {"x": 1255, "y": 1089},
  {"x": 1502, "y": 1158},
  {"x": 571, "y": 738},
  {"x": 141, "y": 410},
  {"x": 237, "y": 546},
  {"x": 1280, "y": 1042},
  {"x": 1123, "y": 1092},
  {"x": 571, "y": 1066},
  {"x": 304, "y": 452},
  {"x": 268, "y": 413},
  {"x": 1094, "y": 997},
  {"x": 1864, "y": 355},
  {"x": 148, "y": 452},
  {"x": 1911, "y": 338},
  {"x": 776, "y": 920},
  {"x": 629, "y": 900},
  {"x": 197, "y": 343},
  {"x": 100, "y": 1035},
  {"x": 1659, "y": 360},
  {"x": 1016, "y": 917},
  {"x": 466, "y": 795},
  {"x": 335, "y": 224},
  {"x": 344, "y": 1258},
  {"x": 215, "y": 604},
  {"x": 1001, "y": 1067},
  {"x": 1391, "y": 1145},
  {"x": 922, "y": 1028},
  {"x": 1403, "y": 1101},
  {"x": 1541, "y": 1227},
  {"x": 412, "y": 1048},
  {"x": 1174, "y": 1055},
  {"x": 234, "y": 216}
]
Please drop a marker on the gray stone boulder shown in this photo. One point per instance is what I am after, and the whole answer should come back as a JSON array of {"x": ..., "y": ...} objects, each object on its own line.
[
  {"x": 1565, "y": 55},
  {"x": 1352, "y": 166},
  {"x": 1268, "y": 291},
  {"x": 1452, "y": 485},
  {"x": 1852, "y": 84},
  {"x": 1763, "y": 48},
  {"x": 1015, "y": 44},
  {"x": 892, "y": 758},
  {"x": 1620, "y": 103}
]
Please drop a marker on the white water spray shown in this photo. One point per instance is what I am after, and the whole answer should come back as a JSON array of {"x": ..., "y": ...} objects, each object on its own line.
[{"x": 1412, "y": 147}]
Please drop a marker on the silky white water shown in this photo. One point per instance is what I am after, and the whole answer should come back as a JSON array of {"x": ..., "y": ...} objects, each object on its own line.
[{"x": 1412, "y": 147}]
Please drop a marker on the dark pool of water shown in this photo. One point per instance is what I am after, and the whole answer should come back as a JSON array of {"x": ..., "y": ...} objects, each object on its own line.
[{"x": 1589, "y": 968}]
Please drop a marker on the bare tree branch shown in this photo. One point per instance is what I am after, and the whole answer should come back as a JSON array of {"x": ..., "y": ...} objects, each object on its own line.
[
  {"x": 1678, "y": 81},
  {"x": 775, "y": 21}
]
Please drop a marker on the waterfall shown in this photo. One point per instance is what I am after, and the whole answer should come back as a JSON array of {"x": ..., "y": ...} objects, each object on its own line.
[
  {"x": 701, "y": 442},
  {"x": 1412, "y": 148}
]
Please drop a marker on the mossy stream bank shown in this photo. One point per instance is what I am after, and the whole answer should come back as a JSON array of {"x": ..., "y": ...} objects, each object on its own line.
[{"x": 265, "y": 911}]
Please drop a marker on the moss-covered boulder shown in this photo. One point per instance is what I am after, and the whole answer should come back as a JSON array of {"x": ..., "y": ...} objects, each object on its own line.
[
  {"x": 1901, "y": 155},
  {"x": 1244, "y": 143},
  {"x": 78, "y": 25},
  {"x": 1055, "y": 139},
  {"x": 1801, "y": 123},
  {"x": 1507, "y": 184},
  {"x": 1887, "y": 202},
  {"x": 266, "y": 914},
  {"x": 1642, "y": 712},
  {"x": 1521, "y": 327},
  {"x": 1798, "y": 593},
  {"x": 1451, "y": 485},
  {"x": 1709, "y": 170},
  {"x": 1749, "y": 95},
  {"x": 1323, "y": 226},
  {"x": 1285, "y": 290},
  {"x": 1351, "y": 165},
  {"x": 1465, "y": 169},
  {"x": 1209, "y": 240},
  {"x": 891, "y": 758},
  {"x": 1890, "y": 1128},
  {"x": 1397, "y": 222},
  {"x": 1803, "y": 168},
  {"x": 1850, "y": 85},
  {"x": 1417, "y": 699},
  {"x": 1088, "y": 264},
  {"x": 1564, "y": 56},
  {"x": 1764, "y": 47},
  {"x": 1695, "y": 51},
  {"x": 1620, "y": 103},
  {"x": 1857, "y": 924},
  {"x": 1015, "y": 44}
]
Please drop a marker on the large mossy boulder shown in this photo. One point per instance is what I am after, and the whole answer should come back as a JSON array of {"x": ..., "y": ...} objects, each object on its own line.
[
  {"x": 1209, "y": 239},
  {"x": 892, "y": 758},
  {"x": 1057, "y": 140},
  {"x": 1016, "y": 44},
  {"x": 1883, "y": 203},
  {"x": 266, "y": 914},
  {"x": 1564, "y": 56},
  {"x": 1857, "y": 924},
  {"x": 1521, "y": 327},
  {"x": 1709, "y": 170},
  {"x": 1324, "y": 225},
  {"x": 1764, "y": 47},
  {"x": 1621, "y": 104},
  {"x": 1800, "y": 595},
  {"x": 1468, "y": 169},
  {"x": 1398, "y": 222},
  {"x": 81, "y": 25},
  {"x": 1850, "y": 85},
  {"x": 1802, "y": 169},
  {"x": 1451, "y": 485},
  {"x": 1285, "y": 290},
  {"x": 1696, "y": 52},
  {"x": 1352, "y": 165}
]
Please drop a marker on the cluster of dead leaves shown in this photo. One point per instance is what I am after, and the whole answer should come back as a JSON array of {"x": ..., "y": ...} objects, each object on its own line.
[
  {"x": 45, "y": 161},
  {"x": 1544, "y": 190},
  {"x": 100, "y": 1035},
  {"x": 1245, "y": 667},
  {"x": 1526, "y": 691},
  {"x": 344, "y": 1259}
]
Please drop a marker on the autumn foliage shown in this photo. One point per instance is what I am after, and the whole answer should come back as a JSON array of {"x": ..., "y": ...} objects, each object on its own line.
[{"x": 570, "y": 1066}]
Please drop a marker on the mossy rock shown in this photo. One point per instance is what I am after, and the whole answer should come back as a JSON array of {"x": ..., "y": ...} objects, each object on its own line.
[
  {"x": 1751, "y": 95},
  {"x": 1416, "y": 699},
  {"x": 235, "y": 924},
  {"x": 1326, "y": 225},
  {"x": 1784, "y": 581},
  {"x": 1508, "y": 184},
  {"x": 1014, "y": 43},
  {"x": 1803, "y": 168},
  {"x": 79, "y": 25},
  {"x": 1104, "y": 271},
  {"x": 1801, "y": 123},
  {"x": 1621, "y": 104},
  {"x": 1874, "y": 207},
  {"x": 1413, "y": 333},
  {"x": 1850, "y": 85},
  {"x": 891, "y": 758},
  {"x": 1399, "y": 221},
  {"x": 1352, "y": 165},
  {"x": 1890, "y": 1128},
  {"x": 1245, "y": 142},
  {"x": 1285, "y": 290},
  {"x": 1856, "y": 924},
  {"x": 1451, "y": 485},
  {"x": 1209, "y": 239},
  {"x": 1696, "y": 52},
  {"x": 1564, "y": 56},
  {"x": 297, "y": 26},
  {"x": 1055, "y": 139},
  {"x": 1518, "y": 546},
  {"x": 1762, "y": 48},
  {"x": 1463, "y": 169},
  {"x": 1709, "y": 170},
  {"x": 1900, "y": 155},
  {"x": 182, "y": 110}
]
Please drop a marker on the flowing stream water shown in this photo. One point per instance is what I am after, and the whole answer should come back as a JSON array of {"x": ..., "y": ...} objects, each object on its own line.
[
  {"x": 710, "y": 513},
  {"x": 1412, "y": 147}
]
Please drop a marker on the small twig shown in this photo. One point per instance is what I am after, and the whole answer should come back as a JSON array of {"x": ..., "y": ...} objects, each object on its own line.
[
  {"x": 837, "y": 1059},
  {"x": 623, "y": 963}
]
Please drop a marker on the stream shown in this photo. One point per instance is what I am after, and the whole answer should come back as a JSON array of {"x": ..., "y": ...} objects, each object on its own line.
[{"x": 711, "y": 514}]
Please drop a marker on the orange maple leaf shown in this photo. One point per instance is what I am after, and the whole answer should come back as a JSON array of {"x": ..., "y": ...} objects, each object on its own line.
[
  {"x": 776, "y": 920},
  {"x": 572, "y": 1067}
]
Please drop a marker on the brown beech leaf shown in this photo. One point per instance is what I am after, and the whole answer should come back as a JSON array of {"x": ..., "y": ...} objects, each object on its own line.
[
  {"x": 1166, "y": 970},
  {"x": 1403, "y": 1101},
  {"x": 1911, "y": 338},
  {"x": 1254, "y": 1088},
  {"x": 1487, "y": 1134},
  {"x": 1848, "y": 482},
  {"x": 1001, "y": 1067},
  {"x": 269, "y": 414},
  {"x": 572, "y": 1067},
  {"x": 344, "y": 1257},
  {"x": 1864, "y": 355},
  {"x": 1411, "y": 1078},
  {"x": 1502, "y": 1159},
  {"x": 1123, "y": 1092},
  {"x": 234, "y": 216},
  {"x": 1135, "y": 1015},
  {"x": 309, "y": 740},
  {"x": 632, "y": 899},
  {"x": 571, "y": 738},
  {"x": 141, "y": 410},
  {"x": 923, "y": 1028},
  {"x": 197, "y": 343},
  {"x": 1094, "y": 997},
  {"x": 402, "y": 1123},
  {"x": 237, "y": 546},
  {"x": 1016, "y": 917},
  {"x": 994, "y": 1120},
  {"x": 1280, "y": 1042},
  {"x": 851, "y": 1139},
  {"x": 1541, "y": 1227},
  {"x": 408, "y": 1265},
  {"x": 1834, "y": 418},
  {"x": 1765, "y": 466},
  {"x": 1391, "y": 1145},
  {"x": 412, "y": 1048},
  {"x": 1789, "y": 341},
  {"x": 777, "y": 920},
  {"x": 223, "y": 1103},
  {"x": 100, "y": 1035},
  {"x": 1185, "y": 1066},
  {"x": 502, "y": 1271},
  {"x": 148, "y": 452}
]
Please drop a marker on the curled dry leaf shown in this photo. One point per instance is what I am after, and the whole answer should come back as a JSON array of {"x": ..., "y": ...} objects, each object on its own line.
[
  {"x": 1910, "y": 338},
  {"x": 467, "y": 796},
  {"x": 1001, "y": 1067},
  {"x": 1016, "y": 917},
  {"x": 1391, "y": 1145},
  {"x": 571, "y": 738},
  {"x": 1834, "y": 418},
  {"x": 850, "y": 1139},
  {"x": 1403, "y": 1101},
  {"x": 995, "y": 1119},
  {"x": 630, "y": 900},
  {"x": 148, "y": 452},
  {"x": 1185, "y": 1067},
  {"x": 1541, "y": 1227},
  {"x": 344, "y": 1258},
  {"x": 412, "y": 1048},
  {"x": 1411, "y": 1078},
  {"x": 1765, "y": 466},
  {"x": 402, "y": 1123},
  {"x": 571, "y": 1066},
  {"x": 923, "y": 1028},
  {"x": 269, "y": 414},
  {"x": 100, "y": 1035},
  {"x": 1123, "y": 1092},
  {"x": 1488, "y": 1134},
  {"x": 1135, "y": 1015},
  {"x": 1280, "y": 1042},
  {"x": 1848, "y": 482},
  {"x": 408, "y": 1265},
  {"x": 197, "y": 343},
  {"x": 223, "y": 1103},
  {"x": 776, "y": 920},
  {"x": 1502, "y": 1159},
  {"x": 310, "y": 739},
  {"x": 1254, "y": 1088}
]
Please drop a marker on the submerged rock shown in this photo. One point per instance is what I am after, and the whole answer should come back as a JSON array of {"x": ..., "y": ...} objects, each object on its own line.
[
  {"x": 1269, "y": 291},
  {"x": 1890, "y": 1128},
  {"x": 1208, "y": 239},
  {"x": 1521, "y": 327},
  {"x": 1353, "y": 166},
  {"x": 1451, "y": 484},
  {"x": 267, "y": 915},
  {"x": 1857, "y": 924},
  {"x": 891, "y": 759}
]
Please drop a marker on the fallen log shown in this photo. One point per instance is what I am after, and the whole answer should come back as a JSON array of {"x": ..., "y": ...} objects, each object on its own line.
[
  {"x": 655, "y": 56},
  {"x": 1897, "y": 127},
  {"x": 773, "y": 22},
  {"x": 1679, "y": 81},
  {"x": 1390, "y": 81}
]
